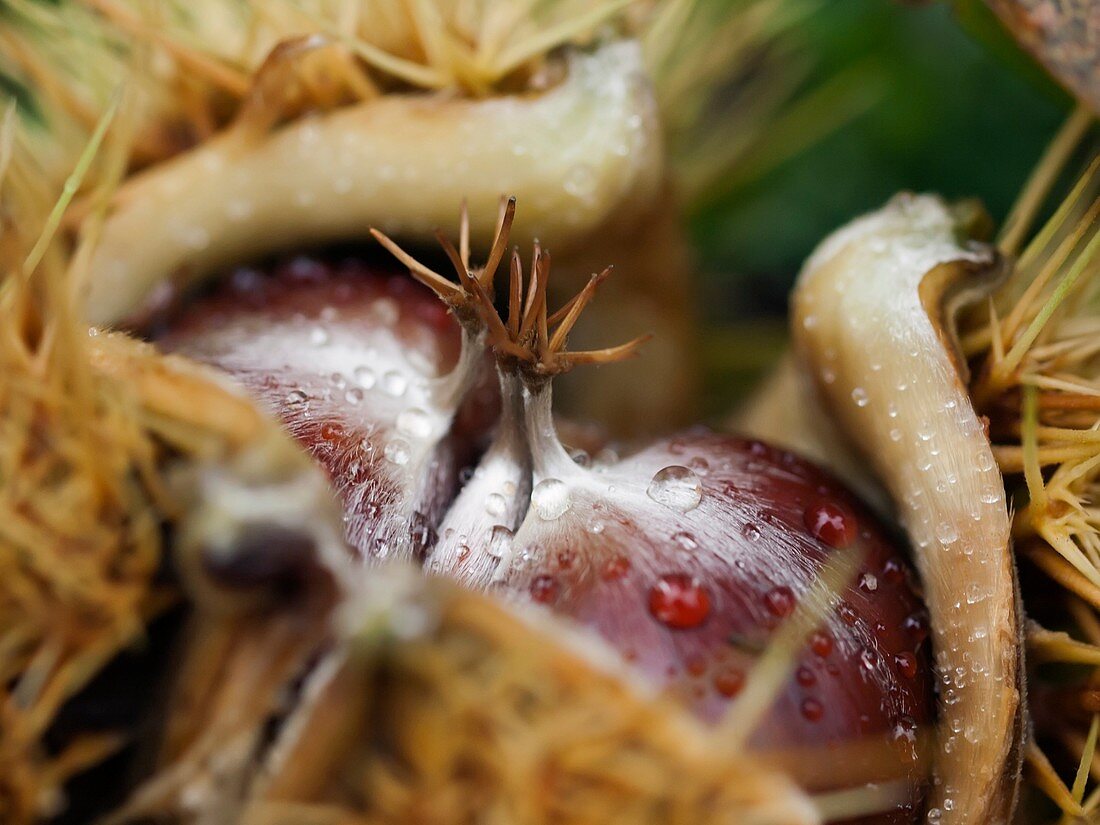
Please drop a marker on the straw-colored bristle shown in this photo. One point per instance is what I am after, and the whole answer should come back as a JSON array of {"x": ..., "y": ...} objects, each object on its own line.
[
  {"x": 88, "y": 422},
  {"x": 492, "y": 716},
  {"x": 199, "y": 61},
  {"x": 80, "y": 537},
  {"x": 90, "y": 425},
  {"x": 1036, "y": 377}
]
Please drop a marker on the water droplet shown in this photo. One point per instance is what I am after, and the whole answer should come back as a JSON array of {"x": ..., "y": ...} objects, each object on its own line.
[
  {"x": 812, "y": 710},
  {"x": 495, "y": 504},
  {"x": 238, "y": 209},
  {"x": 907, "y": 664},
  {"x": 696, "y": 666},
  {"x": 500, "y": 541},
  {"x": 544, "y": 589},
  {"x": 385, "y": 311},
  {"x": 859, "y": 396},
  {"x": 904, "y": 735},
  {"x": 685, "y": 540},
  {"x": 318, "y": 336},
  {"x": 338, "y": 380},
  {"x": 394, "y": 383},
  {"x": 397, "y": 452},
  {"x": 729, "y": 682},
  {"x": 364, "y": 377},
  {"x": 331, "y": 431},
  {"x": 679, "y": 602},
  {"x": 750, "y": 531},
  {"x": 946, "y": 533},
  {"x": 821, "y": 643},
  {"x": 805, "y": 677},
  {"x": 414, "y": 422},
  {"x": 615, "y": 569},
  {"x": 676, "y": 487},
  {"x": 868, "y": 582},
  {"x": 550, "y": 498},
  {"x": 580, "y": 181},
  {"x": 780, "y": 601},
  {"x": 420, "y": 362},
  {"x": 196, "y": 237},
  {"x": 917, "y": 625},
  {"x": 353, "y": 396},
  {"x": 296, "y": 398},
  {"x": 831, "y": 523}
]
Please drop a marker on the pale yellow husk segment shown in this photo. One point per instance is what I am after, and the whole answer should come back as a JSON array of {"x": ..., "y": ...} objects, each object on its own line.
[
  {"x": 572, "y": 156},
  {"x": 872, "y": 323},
  {"x": 286, "y": 124}
]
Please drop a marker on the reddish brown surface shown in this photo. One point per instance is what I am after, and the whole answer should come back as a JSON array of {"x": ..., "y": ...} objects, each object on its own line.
[
  {"x": 338, "y": 350},
  {"x": 692, "y": 598}
]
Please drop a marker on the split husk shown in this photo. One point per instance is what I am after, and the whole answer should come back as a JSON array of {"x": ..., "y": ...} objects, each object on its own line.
[
  {"x": 296, "y": 123},
  {"x": 121, "y": 464},
  {"x": 1009, "y": 406}
]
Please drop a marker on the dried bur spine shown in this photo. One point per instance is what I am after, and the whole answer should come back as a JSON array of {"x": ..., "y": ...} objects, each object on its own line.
[
  {"x": 251, "y": 527},
  {"x": 873, "y": 323},
  {"x": 447, "y": 705},
  {"x": 1035, "y": 378},
  {"x": 107, "y": 482}
]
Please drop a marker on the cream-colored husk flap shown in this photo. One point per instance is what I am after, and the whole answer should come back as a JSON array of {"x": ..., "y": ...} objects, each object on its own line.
[
  {"x": 873, "y": 327},
  {"x": 575, "y": 154}
]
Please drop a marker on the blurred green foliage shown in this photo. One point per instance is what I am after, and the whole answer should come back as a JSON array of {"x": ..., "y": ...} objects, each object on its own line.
[{"x": 953, "y": 115}]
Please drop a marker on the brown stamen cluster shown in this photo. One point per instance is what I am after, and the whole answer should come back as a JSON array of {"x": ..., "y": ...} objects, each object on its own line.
[{"x": 533, "y": 339}]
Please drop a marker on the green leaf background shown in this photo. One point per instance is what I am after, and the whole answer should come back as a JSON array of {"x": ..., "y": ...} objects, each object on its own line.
[{"x": 958, "y": 110}]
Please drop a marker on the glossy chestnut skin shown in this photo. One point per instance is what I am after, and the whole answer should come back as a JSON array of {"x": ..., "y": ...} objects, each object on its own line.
[
  {"x": 690, "y": 599},
  {"x": 347, "y": 354}
]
